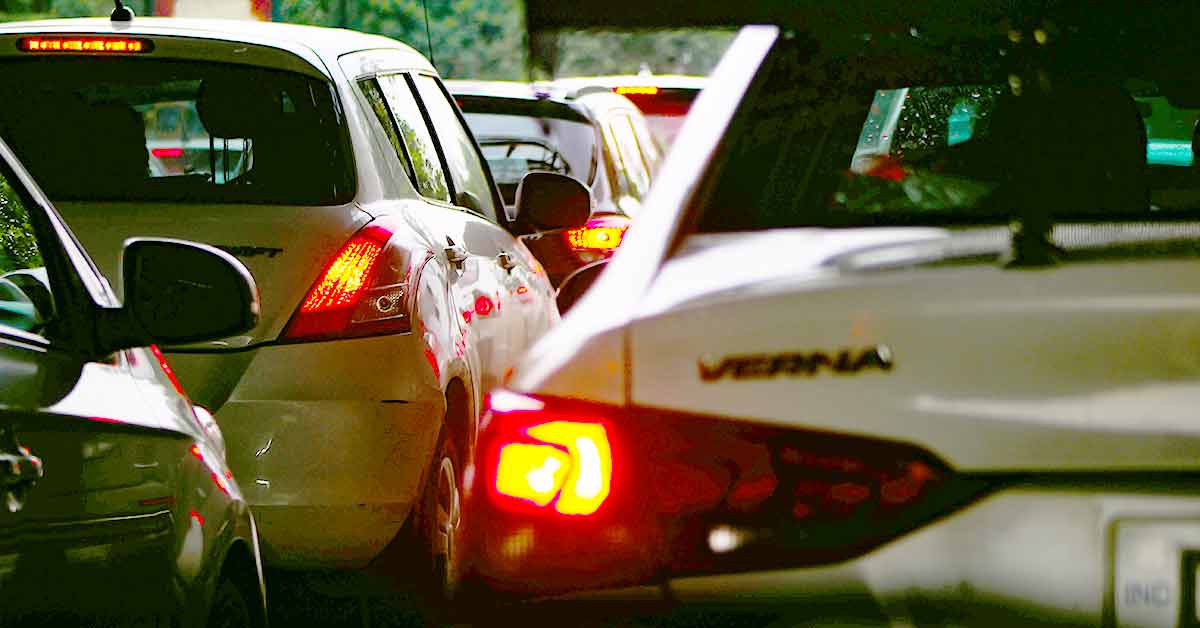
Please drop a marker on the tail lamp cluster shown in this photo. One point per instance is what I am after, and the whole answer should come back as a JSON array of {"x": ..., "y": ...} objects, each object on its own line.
[
  {"x": 362, "y": 291},
  {"x": 597, "y": 239},
  {"x": 716, "y": 495},
  {"x": 561, "y": 465}
]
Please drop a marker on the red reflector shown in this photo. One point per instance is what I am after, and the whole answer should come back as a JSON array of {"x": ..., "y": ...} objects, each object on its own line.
[
  {"x": 72, "y": 43},
  {"x": 167, "y": 152},
  {"x": 197, "y": 517},
  {"x": 483, "y": 305}
]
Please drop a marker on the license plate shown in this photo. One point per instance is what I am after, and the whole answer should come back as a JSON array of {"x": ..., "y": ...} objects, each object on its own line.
[{"x": 1154, "y": 573}]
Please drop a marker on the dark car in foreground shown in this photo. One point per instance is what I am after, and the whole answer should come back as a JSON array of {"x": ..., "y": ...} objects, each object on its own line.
[
  {"x": 596, "y": 137},
  {"x": 116, "y": 504}
]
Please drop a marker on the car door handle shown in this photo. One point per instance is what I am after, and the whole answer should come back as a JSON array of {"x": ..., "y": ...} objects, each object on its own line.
[
  {"x": 456, "y": 255},
  {"x": 506, "y": 261}
]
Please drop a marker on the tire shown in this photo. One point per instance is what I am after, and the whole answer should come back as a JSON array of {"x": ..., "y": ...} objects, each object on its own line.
[
  {"x": 229, "y": 608},
  {"x": 439, "y": 518}
]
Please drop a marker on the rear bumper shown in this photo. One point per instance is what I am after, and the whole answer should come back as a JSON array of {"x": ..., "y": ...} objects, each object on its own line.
[
  {"x": 328, "y": 442},
  {"x": 1019, "y": 557}
]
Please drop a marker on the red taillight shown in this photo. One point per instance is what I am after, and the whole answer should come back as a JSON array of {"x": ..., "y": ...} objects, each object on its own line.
[
  {"x": 484, "y": 305},
  {"x": 568, "y": 463},
  {"x": 646, "y": 90},
  {"x": 558, "y": 461},
  {"x": 344, "y": 278},
  {"x": 659, "y": 101},
  {"x": 656, "y": 493},
  {"x": 599, "y": 235},
  {"x": 167, "y": 152},
  {"x": 357, "y": 294}
]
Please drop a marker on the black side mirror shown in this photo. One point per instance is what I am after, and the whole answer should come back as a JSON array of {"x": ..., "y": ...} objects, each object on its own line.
[
  {"x": 178, "y": 292},
  {"x": 547, "y": 200}
]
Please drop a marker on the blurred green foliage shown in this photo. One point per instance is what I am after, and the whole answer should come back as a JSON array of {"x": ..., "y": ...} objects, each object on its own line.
[
  {"x": 663, "y": 52},
  {"x": 481, "y": 39},
  {"x": 18, "y": 248}
]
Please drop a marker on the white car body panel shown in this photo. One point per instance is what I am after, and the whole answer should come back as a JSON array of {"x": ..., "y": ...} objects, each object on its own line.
[
  {"x": 285, "y": 247},
  {"x": 1073, "y": 395}
]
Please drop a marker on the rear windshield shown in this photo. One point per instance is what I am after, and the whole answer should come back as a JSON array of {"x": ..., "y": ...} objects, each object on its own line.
[
  {"x": 848, "y": 140},
  {"x": 515, "y": 144},
  {"x": 177, "y": 131}
]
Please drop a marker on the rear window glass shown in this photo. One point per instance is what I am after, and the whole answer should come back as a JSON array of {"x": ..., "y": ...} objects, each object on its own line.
[
  {"x": 177, "y": 131},
  {"x": 813, "y": 145},
  {"x": 515, "y": 145}
]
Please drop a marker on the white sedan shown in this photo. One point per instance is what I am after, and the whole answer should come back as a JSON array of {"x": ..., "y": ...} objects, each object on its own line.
[{"x": 946, "y": 378}]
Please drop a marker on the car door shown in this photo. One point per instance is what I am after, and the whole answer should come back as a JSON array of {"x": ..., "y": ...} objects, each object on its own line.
[
  {"x": 86, "y": 467},
  {"x": 632, "y": 173},
  {"x": 475, "y": 281},
  {"x": 525, "y": 306}
]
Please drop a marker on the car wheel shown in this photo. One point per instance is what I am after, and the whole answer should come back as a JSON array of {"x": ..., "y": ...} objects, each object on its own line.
[
  {"x": 440, "y": 517},
  {"x": 229, "y": 607}
]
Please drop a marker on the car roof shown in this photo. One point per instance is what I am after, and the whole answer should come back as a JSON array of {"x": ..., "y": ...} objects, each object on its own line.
[
  {"x": 498, "y": 89},
  {"x": 328, "y": 43},
  {"x": 518, "y": 99}
]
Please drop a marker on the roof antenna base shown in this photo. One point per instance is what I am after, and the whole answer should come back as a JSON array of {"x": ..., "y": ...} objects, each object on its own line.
[{"x": 121, "y": 13}]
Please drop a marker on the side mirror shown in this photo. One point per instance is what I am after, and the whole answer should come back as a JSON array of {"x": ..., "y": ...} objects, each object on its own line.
[
  {"x": 178, "y": 292},
  {"x": 547, "y": 201}
]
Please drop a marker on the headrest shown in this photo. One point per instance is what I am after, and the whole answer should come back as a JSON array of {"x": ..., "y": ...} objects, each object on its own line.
[
  {"x": 233, "y": 107},
  {"x": 1082, "y": 149}
]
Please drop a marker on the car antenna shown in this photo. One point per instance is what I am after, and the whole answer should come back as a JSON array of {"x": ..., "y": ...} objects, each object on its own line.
[
  {"x": 121, "y": 13},
  {"x": 428, "y": 37}
]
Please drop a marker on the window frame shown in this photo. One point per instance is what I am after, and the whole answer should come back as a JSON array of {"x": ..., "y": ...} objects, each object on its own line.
[
  {"x": 499, "y": 211},
  {"x": 402, "y": 78},
  {"x": 79, "y": 288},
  {"x": 391, "y": 129}
]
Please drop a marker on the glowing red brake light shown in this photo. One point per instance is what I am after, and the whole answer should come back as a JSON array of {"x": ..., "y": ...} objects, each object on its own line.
[
  {"x": 354, "y": 295},
  {"x": 81, "y": 43},
  {"x": 637, "y": 493},
  {"x": 553, "y": 459},
  {"x": 642, "y": 90},
  {"x": 344, "y": 278},
  {"x": 567, "y": 463},
  {"x": 166, "y": 152},
  {"x": 602, "y": 234}
]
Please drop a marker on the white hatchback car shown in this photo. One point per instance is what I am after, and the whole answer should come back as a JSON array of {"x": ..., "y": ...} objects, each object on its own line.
[
  {"x": 394, "y": 291},
  {"x": 906, "y": 336}
]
